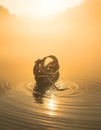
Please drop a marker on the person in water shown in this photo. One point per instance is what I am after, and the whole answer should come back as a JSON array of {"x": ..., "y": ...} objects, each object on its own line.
[
  {"x": 51, "y": 67},
  {"x": 41, "y": 70}
]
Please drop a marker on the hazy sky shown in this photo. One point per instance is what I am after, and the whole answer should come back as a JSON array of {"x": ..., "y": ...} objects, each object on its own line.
[
  {"x": 73, "y": 36},
  {"x": 38, "y": 8}
]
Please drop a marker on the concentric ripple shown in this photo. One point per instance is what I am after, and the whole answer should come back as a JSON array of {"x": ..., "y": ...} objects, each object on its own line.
[{"x": 27, "y": 107}]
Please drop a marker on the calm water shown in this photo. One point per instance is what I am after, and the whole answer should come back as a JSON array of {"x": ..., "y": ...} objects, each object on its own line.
[{"x": 26, "y": 107}]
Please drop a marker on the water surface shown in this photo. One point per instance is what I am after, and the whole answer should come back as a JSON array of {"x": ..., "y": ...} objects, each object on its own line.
[{"x": 24, "y": 106}]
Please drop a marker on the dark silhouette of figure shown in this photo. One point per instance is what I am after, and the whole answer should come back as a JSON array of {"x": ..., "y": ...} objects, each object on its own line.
[
  {"x": 46, "y": 73},
  {"x": 45, "y": 76},
  {"x": 52, "y": 66}
]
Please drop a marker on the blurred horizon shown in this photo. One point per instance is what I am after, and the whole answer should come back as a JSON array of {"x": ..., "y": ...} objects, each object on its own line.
[{"x": 73, "y": 36}]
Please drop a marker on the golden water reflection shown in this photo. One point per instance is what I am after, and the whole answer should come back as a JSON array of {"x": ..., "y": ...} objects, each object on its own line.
[{"x": 51, "y": 105}]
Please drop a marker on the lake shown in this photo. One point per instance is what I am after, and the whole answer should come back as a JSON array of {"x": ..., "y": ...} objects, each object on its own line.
[{"x": 23, "y": 106}]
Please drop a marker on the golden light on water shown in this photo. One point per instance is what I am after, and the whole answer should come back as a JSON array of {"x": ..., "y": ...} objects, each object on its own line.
[
  {"x": 39, "y": 8},
  {"x": 51, "y": 105}
]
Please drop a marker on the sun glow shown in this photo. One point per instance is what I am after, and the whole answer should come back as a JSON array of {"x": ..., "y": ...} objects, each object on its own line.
[
  {"x": 49, "y": 7},
  {"x": 39, "y": 8}
]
